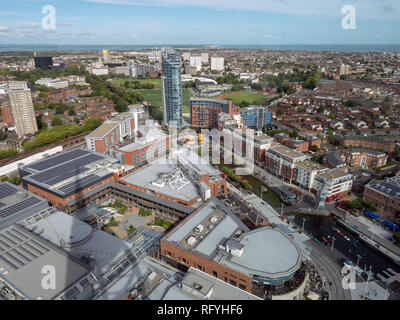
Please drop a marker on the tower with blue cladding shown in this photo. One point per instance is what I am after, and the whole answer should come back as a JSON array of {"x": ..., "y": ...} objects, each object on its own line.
[
  {"x": 256, "y": 117},
  {"x": 171, "y": 86}
]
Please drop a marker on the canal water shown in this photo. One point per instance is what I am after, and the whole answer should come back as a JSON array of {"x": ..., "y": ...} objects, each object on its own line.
[
  {"x": 320, "y": 227},
  {"x": 270, "y": 196}
]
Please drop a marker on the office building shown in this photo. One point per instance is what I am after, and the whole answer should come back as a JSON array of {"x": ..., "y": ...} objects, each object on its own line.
[
  {"x": 44, "y": 63},
  {"x": 217, "y": 63},
  {"x": 22, "y": 109},
  {"x": 171, "y": 87},
  {"x": 256, "y": 117},
  {"x": 204, "y": 112}
]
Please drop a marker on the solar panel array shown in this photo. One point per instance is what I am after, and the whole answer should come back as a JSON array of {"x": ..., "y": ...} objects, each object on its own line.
[
  {"x": 66, "y": 170},
  {"x": 57, "y": 160},
  {"x": 79, "y": 184},
  {"x": 17, "y": 248},
  {"x": 8, "y": 211},
  {"x": 6, "y": 190}
]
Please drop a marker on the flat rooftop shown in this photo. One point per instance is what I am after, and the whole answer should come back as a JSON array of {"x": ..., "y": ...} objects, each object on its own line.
[
  {"x": 101, "y": 131},
  {"x": 334, "y": 174},
  {"x": 70, "y": 172},
  {"x": 198, "y": 285},
  {"x": 150, "y": 136},
  {"x": 22, "y": 257},
  {"x": 80, "y": 240},
  {"x": 164, "y": 179},
  {"x": 17, "y": 204},
  {"x": 311, "y": 165},
  {"x": 267, "y": 253},
  {"x": 287, "y": 152}
]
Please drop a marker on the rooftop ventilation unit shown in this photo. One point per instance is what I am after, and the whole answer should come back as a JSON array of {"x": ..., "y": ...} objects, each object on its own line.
[
  {"x": 199, "y": 229},
  {"x": 191, "y": 241},
  {"x": 214, "y": 219}
]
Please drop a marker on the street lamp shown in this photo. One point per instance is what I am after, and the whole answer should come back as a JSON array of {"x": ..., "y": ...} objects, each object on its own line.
[
  {"x": 304, "y": 221},
  {"x": 333, "y": 242},
  {"x": 358, "y": 259}
]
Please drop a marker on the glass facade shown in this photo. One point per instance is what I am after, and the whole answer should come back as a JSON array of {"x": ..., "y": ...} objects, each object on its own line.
[
  {"x": 171, "y": 86},
  {"x": 256, "y": 117}
]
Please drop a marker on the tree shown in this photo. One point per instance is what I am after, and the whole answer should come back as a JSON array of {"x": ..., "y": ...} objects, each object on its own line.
[
  {"x": 71, "y": 111},
  {"x": 358, "y": 132},
  {"x": 76, "y": 120},
  {"x": 56, "y": 121},
  {"x": 3, "y": 135}
]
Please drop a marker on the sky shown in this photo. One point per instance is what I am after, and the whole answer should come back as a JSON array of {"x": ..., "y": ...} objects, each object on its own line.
[{"x": 208, "y": 22}]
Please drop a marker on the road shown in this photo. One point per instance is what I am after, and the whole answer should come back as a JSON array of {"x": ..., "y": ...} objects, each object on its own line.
[{"x": 328, "y": 269}]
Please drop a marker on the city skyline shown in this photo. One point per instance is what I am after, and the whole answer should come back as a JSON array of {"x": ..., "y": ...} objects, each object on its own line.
[{"x": 272, "y": 22}]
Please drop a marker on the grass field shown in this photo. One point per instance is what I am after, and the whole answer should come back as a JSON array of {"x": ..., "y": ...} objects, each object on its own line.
[
  {"x": 156, "y": 82},
  {"x": 154, "y": 97},
  {"x": 250, "y": 98}
]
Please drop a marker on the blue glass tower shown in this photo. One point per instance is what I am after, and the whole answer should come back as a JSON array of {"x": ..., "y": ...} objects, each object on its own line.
[{"x": 171, "y": 86}]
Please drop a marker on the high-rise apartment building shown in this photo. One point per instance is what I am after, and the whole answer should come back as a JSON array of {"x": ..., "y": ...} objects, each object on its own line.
[
  {"x": 196, "y": 61},
  {"x": 22, "y": 109},
  {"x": 44, "y": 63},
  {"x": 217, "y": 63},
  {"x": 171, "y": 86}
]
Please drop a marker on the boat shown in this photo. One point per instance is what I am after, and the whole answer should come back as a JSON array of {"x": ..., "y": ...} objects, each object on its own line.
[
  {"x": 356, "y": 244},
  {"x": 347, "y": 238},
  {"x": 324, "y": 240}
]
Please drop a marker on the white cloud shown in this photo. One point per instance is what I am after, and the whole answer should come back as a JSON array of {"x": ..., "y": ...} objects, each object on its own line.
[
  {"x": 7, "y": 13},
  {"x": 332, "y": 8},
  {"x": 3, "y": 28}
]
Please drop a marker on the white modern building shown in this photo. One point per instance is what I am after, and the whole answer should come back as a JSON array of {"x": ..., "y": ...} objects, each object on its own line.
[{"x": 217, "y": 63}]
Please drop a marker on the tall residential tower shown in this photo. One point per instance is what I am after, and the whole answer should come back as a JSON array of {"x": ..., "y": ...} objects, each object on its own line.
[
  {"x": 171, "y": 86},
  {"x": 22, "y": 109}
]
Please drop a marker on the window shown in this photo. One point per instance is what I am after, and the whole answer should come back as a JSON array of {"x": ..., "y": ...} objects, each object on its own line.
[
  {"x": 215, "y": 274},
  {"x": 225, "y": 279},
  {"x": 233, "y": 282},
  {"x": 242, "y": 286}
]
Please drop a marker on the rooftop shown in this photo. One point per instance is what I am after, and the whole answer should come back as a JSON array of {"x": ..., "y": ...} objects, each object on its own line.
[
  {"x": 101, "y": 131},
  {"x": 70, "y": 172},
  {"x": 80, "y": 240},
  {"x": 363, "y": 150},
  {"x": 214, "y": 232},
  {"x": 287, "y": 152},
  {"x": 334, "y": 174},
  {"x": 311, "y": 165},
  {"x": 17, "y": 204},
  {"x": 267, "y": 253},
  {"x": 150, "y": 136},
  {"x": 198, "y": 285},
  {"x": 22, "y": 257},
  {"x": 389, "y": 186},
  {"x": 164, "y": 179}
]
